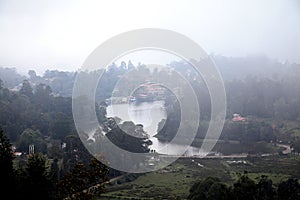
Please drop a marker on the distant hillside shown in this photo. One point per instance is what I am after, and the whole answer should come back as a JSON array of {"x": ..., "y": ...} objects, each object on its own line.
[
  {"x": 61, "y": 82},
  {"x": 231, "y": 68},
  {"x": 257, "y": 66},
  {"x": 10, "y": 77}
]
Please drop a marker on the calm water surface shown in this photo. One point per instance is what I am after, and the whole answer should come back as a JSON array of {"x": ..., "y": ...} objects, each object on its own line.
[{"x": 149, "y": 114}]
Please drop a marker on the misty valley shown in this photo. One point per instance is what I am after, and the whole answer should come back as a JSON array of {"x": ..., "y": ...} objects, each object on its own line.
[{"x": 256, "y": 156}]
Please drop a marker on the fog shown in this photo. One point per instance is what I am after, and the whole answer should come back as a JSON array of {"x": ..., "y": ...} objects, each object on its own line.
[{"x": 61, "y": 34}]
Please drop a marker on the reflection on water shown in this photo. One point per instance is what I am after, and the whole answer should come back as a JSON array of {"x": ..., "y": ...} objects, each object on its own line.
[{"x": 149, "y": 114}]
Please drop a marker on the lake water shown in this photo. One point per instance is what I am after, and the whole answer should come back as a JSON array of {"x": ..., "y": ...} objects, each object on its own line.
[{"x": 149, "y": 114}]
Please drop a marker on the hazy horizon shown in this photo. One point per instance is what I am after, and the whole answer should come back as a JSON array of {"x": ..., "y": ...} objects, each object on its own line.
[{"x": 60, "y": 35}]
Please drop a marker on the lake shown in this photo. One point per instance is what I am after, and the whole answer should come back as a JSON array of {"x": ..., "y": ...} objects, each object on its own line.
[{"x": 149, "y": 114}]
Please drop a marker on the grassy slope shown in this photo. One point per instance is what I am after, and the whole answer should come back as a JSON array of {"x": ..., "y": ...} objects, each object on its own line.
[{"x": 174, "y": 181}]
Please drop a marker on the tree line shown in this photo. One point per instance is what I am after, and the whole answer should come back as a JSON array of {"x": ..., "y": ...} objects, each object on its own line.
[
  {"x": 245, "y": 188},
  {"x": 40, "y": 178},
  {"x": 60, "y": 166}
]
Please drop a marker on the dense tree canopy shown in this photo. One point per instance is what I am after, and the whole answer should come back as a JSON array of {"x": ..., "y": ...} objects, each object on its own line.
[{"x": 244, "y": 188}]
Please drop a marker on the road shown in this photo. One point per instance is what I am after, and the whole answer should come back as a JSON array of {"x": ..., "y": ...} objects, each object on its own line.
[
  {"x": 93, "y": 188},
  {"x": 287, "y": 150}
]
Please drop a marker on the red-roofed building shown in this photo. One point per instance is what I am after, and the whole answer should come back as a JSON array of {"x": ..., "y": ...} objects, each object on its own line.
[{"x": 238, "y": 118}]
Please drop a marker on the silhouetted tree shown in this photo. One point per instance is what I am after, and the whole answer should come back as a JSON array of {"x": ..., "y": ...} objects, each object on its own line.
[
  {"x": 289, "y": 190},
  {"x": 245, "y": 188},
  {"x": 7, "y": 173},
  {"x": 265, "y": 189},
  {"x": 34, "y": 179},
  {"x": 210, "y": 188},
  {"x": 83, "y": 181}
]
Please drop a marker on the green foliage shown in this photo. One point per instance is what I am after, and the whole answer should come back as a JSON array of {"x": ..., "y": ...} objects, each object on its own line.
[
  {"x": 245, "y": 189},
  {"x": 26, "y": 89},
  {"x": 34, "y": 181},
  {"x": 31, "y": 137},
  {"x": 60, "y": 126},
  {"x": 6, "y": 152},
  {"x": 40, "y": 180},
  {"x": 35, "y": 109},
  {"x": 296, "y": 144},
  {"x": 79, "y": 182},
  {"x": 6, "y": 165},
  {"x": 126, "y": 138},
  {"x": 209, "y": 189},
  {"x": 289, "y": 190},
  {"x": 265, "y": 188}
]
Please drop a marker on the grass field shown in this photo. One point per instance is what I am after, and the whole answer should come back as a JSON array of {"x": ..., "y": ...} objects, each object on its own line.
[{"x": 174, "y": 181}]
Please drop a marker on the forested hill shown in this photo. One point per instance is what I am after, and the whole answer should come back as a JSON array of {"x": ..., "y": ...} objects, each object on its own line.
[
  {"x": 61, "y": 82},
  {"x": 34, "y": 113},
  {"x": 238, "y": 68},
  {"x": 255, "y": 86}
]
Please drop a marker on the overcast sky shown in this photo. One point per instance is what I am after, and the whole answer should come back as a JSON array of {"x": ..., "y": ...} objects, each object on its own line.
[{"x": 56, "y": 34}]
